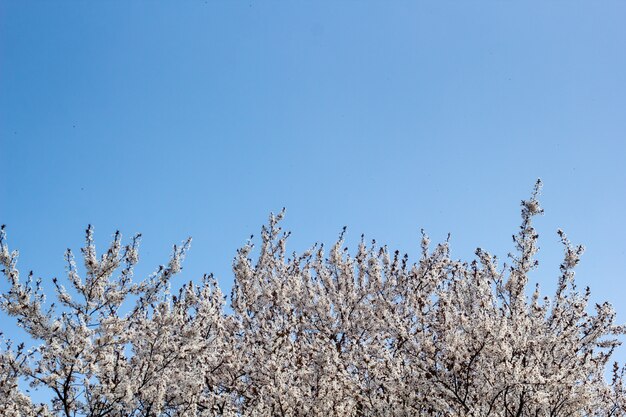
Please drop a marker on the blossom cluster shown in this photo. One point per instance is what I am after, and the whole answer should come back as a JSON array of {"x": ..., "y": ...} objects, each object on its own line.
[{"x": 322, "y": 333}]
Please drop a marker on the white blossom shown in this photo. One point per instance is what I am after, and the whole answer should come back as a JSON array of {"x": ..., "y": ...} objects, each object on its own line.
[{"x": 316, "y": 334}]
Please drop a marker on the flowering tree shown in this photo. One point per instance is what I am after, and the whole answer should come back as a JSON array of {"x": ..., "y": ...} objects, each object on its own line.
[{"x": 322, "y": 333}]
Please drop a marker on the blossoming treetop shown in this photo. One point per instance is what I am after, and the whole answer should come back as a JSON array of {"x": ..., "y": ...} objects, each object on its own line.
[{"x": 322, "y": 333}]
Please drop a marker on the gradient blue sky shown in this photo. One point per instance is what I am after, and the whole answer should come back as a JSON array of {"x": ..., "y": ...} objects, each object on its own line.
[{"x": 199, "y": 118}]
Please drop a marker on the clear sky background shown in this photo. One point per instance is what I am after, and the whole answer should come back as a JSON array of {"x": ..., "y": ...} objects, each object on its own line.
[{"x": 199, "y": 118}]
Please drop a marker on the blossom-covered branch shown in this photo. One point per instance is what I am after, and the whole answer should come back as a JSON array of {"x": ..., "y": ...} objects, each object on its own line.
[{"x": 322, "y": 333}]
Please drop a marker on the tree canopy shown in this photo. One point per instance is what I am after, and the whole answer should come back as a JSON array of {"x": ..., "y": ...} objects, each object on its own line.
[{"x": 326, "y": 332}]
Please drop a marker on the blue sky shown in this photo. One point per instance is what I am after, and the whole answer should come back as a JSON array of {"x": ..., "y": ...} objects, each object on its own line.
[{"x": 199, "y": 118}]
